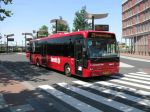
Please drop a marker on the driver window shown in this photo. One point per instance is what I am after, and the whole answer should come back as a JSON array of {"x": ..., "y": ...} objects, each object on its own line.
[{"x": 79, "y": 49}]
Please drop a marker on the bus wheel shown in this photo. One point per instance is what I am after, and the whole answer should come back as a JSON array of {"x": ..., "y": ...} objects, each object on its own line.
[
  {"x": 38, "y": 63},
  {"x": 67, "y": 70}
]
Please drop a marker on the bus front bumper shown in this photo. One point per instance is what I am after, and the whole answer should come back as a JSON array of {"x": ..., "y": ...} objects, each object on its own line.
[{"x": 103, "y": 72}]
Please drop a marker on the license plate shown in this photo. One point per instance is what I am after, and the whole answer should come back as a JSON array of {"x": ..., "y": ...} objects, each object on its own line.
[{"x": 106, "y": 73}]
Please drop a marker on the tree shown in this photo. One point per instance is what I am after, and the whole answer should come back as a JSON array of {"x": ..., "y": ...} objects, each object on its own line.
[
  {"x": 80, "y": 21},
  {"x": 43, "y": 31},
  {"x": 3, "y": 12},
  {"x": 61, "y": 27}
]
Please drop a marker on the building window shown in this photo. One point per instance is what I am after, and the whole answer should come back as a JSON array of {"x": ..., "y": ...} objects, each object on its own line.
[
  {"x": 146, "y": 4},
  {"x": 149, "y": 26},
  {"x": 137, "y": 19},
  {"x": 148, "y": 14},
  {"x": 145, "y": 27},
  {"x": 138, "y": 9}
]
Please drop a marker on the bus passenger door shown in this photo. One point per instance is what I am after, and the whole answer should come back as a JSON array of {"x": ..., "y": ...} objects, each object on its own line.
[
  {"x": 78, "y": 57},
  {"x": 44, "y": 54}
]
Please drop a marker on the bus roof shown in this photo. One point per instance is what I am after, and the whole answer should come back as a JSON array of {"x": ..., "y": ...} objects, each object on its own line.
[{"x": 84, "y": 33}]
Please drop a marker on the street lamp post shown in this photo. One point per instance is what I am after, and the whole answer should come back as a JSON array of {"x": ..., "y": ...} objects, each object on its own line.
[
  {"x": 0, "y": 35},
  {"x": 92, "y": 22},
  {"x": 58, "y": 21},
  {"x": 8, "y": 39},
  {"x": 1, "y": 46},
  {"x": 25, "y": 37},
  {"x": 95, "y": 16},
  {"x": 1, "y": 42}
]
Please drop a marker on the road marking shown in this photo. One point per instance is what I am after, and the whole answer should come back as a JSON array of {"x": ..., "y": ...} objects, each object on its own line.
[
  {"x": 147, "y": 88},
  {"x": 69, "y": 100},
  {"x": 115, "y": 93},
  {"x": 108, "y": 83},
  {"x": 100, "y": 99},
  {"x": 136, "y": 77},
  {"x": 136, "y": 59},
  {"x": 124, "y": 65},
  {"x": 133, "y": 80},
  {"x": 22, "y": 53},
  {"x": 141, "y": 75},
  {"x": 141, "y": 72}
]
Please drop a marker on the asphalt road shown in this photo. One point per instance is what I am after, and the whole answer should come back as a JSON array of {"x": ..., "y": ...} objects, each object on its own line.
[{"x": 73, "y": 94}]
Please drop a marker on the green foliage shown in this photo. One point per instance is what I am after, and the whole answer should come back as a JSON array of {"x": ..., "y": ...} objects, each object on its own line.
[
  {"x": 43, "y": 31},
  {"x": 60, "y": 27},
  {"x": 80, "y": 21},
  {"x": 6, "y": 1},
  {"x": 3, "y": 12}
]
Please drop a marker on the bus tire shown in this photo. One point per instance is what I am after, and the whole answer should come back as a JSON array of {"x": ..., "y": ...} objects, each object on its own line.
[
  {"x": 67, "y": 70},
  {"x": 37, "y": 62}
]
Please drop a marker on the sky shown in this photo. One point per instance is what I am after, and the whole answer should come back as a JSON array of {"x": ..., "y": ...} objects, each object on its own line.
[{"x": 29, "y": 15}]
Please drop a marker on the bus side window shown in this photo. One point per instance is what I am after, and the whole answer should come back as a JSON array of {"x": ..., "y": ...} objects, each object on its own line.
[
  {"x": 79, "y": 55},
  {"x": 79, "y": 49}
]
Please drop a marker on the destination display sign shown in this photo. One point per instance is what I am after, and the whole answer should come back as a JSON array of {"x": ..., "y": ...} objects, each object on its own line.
[
  {"x": 102, "y": 27},
  {"x": 100, "y": 35}
]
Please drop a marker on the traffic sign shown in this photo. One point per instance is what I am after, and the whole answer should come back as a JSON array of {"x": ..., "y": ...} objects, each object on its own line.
[{"x": 10, "y": 39}]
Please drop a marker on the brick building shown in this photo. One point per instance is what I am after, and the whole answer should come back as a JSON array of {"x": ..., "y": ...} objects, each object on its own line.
[{"x": 136, "y": 25}]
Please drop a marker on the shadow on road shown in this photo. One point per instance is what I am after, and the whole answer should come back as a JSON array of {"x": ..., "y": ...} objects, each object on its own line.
[
  {"x": 100, "y": 78},
  {"x": 24, "y": 71},
  {"x": 27, "y": 100}
]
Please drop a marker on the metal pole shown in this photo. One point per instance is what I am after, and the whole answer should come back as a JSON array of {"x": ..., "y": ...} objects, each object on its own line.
[
  {"x": 56, "y": 26},
  {"x": 16, "y": 47},
  {"x": 37, "y": 34},
  {"x": 25, "y": 42},
  {"x": 7, "y": 45},
  {"x": 1, "y": 46},
  {"x": 22, "y": 45},
  {"x": 92, "y": 22}
]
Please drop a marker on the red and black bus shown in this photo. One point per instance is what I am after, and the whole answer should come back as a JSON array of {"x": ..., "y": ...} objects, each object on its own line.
[{"x": 83, "y": 53}]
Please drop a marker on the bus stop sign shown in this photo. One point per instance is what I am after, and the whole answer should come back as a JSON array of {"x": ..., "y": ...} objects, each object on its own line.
[
  {"x": 28, "y": 39},
  {"x": 10, "y": 39}
]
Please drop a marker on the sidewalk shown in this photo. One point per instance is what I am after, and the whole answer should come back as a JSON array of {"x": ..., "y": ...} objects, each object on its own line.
[
  {"x": 8, "y": 83},
  {"x": 135, "y": 56},
  {"x": 13, "y": 94}
]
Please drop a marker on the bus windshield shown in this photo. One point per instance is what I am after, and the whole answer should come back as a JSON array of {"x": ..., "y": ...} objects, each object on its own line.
[{"x": 102, "y": 48}]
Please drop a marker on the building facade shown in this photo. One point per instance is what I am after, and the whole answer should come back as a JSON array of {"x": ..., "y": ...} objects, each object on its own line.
[{"x": 136, "y": 25}]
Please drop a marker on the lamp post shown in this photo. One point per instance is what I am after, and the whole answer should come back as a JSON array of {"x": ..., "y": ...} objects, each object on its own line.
[
  {"x": 25, "y": 37},
  {"x": 95, "y": 16},
  {"x": 58, "y": 21},
  {"x": 9, "y": 39},
  {"x": 0, "y": 35},
  {"x": 1, "y": 42}
]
